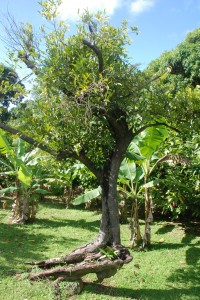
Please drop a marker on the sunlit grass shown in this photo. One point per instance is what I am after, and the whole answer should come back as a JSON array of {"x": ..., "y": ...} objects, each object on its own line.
[{"x": 169, "y": 270}]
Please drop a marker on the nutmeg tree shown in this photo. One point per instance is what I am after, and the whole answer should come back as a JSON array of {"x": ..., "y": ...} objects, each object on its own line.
[{"x": 90, "y": 102}]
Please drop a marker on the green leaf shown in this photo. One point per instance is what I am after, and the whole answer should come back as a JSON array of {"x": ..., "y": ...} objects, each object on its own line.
[
  {"x": 88, "y": 196},
  {"x": 42, "y": 191},
  {"x": 19, "y": 147},
  {"x": 6, "y": 162},
  {"x": 123, "y": 180},
  {"x": 150, "y": 139},
  {"x": 134, "y": 148},
  {"x": 139, "y": 174},
  {"x": 24, "y": 175},
  {"x": 127, "y": 170},
  {"x": 7, "y": 200},
  {"x": 4, "y": 145},
  {"x": 8, "y": 173},
  {"x": 34, "y": 197},
  {"x": 151, "y": 183},
  {"x": 32, "y": 158},
  {"x": 8, "y": 190},
  {"x": 134, "y": 156}
]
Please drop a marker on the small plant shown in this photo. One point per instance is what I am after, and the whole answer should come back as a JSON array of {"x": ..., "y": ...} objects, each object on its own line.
[{"x": 109, "y": 253}]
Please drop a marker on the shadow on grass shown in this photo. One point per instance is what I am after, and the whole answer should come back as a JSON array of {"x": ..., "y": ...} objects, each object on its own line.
[
  {"x": 193, "y": 256},
  {"x": 189, "y": 275},
  {"x": 150, "y": 294},
  {"x": 19, "y": 244},
  {"x": 82, "y": 223},
  {"x": 190, "y": 234},
  {"x": 62, "y": 205},
  {"x": 191, "y": 272},
  {"x": 186, "y": 276},
  {"x": 191, "y": 228},
  {"x": 165, "y": 229},
  {"x": 168, "y": 246},
  {"x": 52, "y": 205}
]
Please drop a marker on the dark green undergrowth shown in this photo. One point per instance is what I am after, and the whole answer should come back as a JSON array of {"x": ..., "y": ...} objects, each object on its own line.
[{"x": 169, "y": 270}]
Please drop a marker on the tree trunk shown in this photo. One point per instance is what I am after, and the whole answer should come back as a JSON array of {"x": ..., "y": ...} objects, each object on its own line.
[
  {"x": 134, "y": 225},
  {"x": 148, "y": 218},
  {"x": 20, "y": 209},
  {"x": 108, "y": 241},
  {"x": 123, "y": 212},
  {"x": 110, "y": 228}
]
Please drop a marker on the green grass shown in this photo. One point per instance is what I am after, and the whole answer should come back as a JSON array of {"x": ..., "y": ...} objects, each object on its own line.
[{"x": 170, "y": 270}]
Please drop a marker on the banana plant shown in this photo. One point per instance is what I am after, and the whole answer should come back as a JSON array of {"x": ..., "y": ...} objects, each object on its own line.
[
  {"x": 22, "y": 166},
  {"x": 145, "y": 145},
  {"x": 134, "y": 179},
  {"x": 129, "y": 184}
]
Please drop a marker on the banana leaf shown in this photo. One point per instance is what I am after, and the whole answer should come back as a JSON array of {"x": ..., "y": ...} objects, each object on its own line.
[{"x": 88, "y": 196}]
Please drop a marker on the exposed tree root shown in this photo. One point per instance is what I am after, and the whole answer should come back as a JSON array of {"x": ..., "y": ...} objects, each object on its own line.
[
  {"x": 80, "y": 263},
  {"x": 72, "y": 288},
  {"x": 75, "y": 256},
  {"x": 103, "y": 269}
]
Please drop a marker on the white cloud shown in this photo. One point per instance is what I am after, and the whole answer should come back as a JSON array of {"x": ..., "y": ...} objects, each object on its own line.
[
  {"x": 69, "y": 8},
  {"x": 138, "y": 6}
]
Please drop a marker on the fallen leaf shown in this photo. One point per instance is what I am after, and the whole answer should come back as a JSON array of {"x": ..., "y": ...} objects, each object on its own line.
[
  {"x": 161, "y": 240},
  {"x": 137, "y": 265},
  {"x": 6, "y": 241},
  {"x": 182, "y": 262}
]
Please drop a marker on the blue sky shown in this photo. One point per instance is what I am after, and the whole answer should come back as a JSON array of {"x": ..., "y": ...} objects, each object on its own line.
[{"x": 162, "y": 23}]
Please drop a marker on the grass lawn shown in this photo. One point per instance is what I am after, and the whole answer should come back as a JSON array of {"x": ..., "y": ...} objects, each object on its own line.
[{"x": 170, "y": 270}]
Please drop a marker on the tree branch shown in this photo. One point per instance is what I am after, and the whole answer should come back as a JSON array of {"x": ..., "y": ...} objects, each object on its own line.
[
  {"x": 118, "y": 126},
  {"x": 83, "y": 159},
  {"x": 160, "y": 75},
  {"x": 97, "y": 52},
  {"x": 30, "y": 64},
  {"x": 58, "y": 154},
  {"x": 28, "y": 139},
  {"x": 16, "y": 40}
]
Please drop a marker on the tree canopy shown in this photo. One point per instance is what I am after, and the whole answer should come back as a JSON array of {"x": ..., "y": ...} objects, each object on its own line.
[
  {"x": 87, "y": 92},
  {"x": 11, "y": 90},
  {"x": 184, "y": 61}
]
